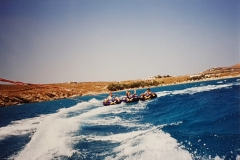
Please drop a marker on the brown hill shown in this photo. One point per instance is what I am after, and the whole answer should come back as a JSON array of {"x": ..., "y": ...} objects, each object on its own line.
[
  {"x": 222, "y": 71},
  {"x": 236, "y": 66},
  {"x": 17, "y": 94}
]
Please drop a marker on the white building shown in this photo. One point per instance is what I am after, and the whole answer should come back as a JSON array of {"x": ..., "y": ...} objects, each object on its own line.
[
  {"x": 195, "y": 76},
  {"x": 151, "y": 77}
]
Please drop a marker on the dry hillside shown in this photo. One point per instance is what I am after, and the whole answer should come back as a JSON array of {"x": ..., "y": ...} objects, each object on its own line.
[{"x": 17, "y": 94}]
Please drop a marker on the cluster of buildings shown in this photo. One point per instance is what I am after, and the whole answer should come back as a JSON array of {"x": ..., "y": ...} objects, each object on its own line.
[
  {"x": 212, "y": 73},
  {"x": 216, "y": 73}
]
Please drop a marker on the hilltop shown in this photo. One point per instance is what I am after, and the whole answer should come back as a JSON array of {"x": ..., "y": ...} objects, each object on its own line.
[{"x": 28, "y": 93}]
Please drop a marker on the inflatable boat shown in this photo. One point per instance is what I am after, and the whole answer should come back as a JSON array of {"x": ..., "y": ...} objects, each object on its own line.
[
  {"x": 132, "y": 98},
  {"x": 107, "y": 103},
  {"x": 144, "y": 97}
]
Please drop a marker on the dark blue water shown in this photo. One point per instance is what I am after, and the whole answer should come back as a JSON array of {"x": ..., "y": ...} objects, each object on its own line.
[{"x": 188, "y": 121}]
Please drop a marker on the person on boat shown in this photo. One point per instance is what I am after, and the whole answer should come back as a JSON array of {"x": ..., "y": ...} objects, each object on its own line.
[
  {"x": 146, "y": 94},
  {"x": 129, "y": 96},
  {"x": 111, "y": 98}
]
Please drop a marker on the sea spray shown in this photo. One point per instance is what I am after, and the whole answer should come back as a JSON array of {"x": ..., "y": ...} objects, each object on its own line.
[{"x": 189, "y": 121}]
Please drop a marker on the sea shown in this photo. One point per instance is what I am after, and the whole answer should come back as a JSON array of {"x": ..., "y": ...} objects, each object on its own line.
[{"x": 199, "y": 120}]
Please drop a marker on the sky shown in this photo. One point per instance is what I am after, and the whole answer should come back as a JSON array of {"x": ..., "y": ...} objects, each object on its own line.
[{"x": 52, "y": 41}]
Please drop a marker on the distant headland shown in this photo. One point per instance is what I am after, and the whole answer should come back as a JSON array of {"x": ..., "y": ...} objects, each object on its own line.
[{"x": 19, "y": 92}]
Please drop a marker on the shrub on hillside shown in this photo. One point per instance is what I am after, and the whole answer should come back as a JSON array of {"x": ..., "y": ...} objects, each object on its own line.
[
  {"x": 155, "y": 83},
  {"x": 121, "y": 86},
  {"x": 115, "y": 87}
]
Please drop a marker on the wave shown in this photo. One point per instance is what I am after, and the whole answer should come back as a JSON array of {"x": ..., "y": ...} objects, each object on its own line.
[
  {"x": 54, "y": 135},
  {"x": 147, "y": 144},
  {"x": 151, "y": 143},
  {"x": 21, "y": 127},
  {"x": 194, "y": 90},
  {"x": 220, "y": 82}
]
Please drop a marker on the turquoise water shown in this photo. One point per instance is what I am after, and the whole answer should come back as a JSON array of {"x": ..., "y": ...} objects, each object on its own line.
[{"x": 187, "y": 121}]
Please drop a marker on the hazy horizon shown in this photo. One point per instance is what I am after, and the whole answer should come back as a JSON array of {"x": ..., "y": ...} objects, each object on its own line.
[{"x": 62, "y": 41}]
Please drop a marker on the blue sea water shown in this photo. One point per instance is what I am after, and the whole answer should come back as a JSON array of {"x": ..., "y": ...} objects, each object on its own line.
[{"x": 187, "y": 121}]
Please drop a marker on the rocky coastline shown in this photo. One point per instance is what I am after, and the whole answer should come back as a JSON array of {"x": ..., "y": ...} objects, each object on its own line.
[
  {"x": 14, "y": 94},
  {"x": 29, "y": 93}
]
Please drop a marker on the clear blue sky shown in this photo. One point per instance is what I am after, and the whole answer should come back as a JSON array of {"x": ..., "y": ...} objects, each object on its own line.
[{"x": 51, "y": 41}]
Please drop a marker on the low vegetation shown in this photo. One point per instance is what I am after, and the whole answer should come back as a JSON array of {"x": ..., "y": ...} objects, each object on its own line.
[
  {"x": 159, "y": 76},
  {"x": 121, "y": 86}
]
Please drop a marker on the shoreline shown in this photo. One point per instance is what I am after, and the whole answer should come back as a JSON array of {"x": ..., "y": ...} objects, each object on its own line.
[
  {"x": 19, "y": 101},
  {"x": 210, "y": 79},
  {"x": 34, "y": 95},
  {"x": 204, "y": 80}
]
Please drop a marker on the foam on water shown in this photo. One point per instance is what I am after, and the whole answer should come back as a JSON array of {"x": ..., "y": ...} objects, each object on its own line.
[
  {"x": 151, "y": 143},
  {"x": 238, "y": 157},
  {"x": 21, "y": 127},
  {"x": 194, "y": 90},
  {"x": 29, "y": 125},
  {"x": 147, "y": 144},
  {"x": 115, "y": 121},
  {"x": 134, "y": 108},
  {"x": 54, "y": 134}
]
